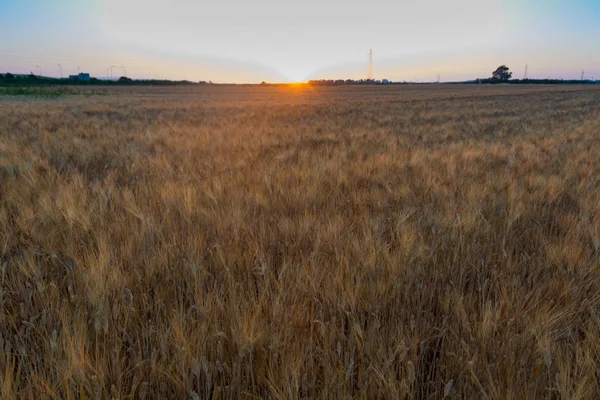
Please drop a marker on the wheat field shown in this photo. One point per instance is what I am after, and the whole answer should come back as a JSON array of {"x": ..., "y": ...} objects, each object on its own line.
[{"x": 400, "y": 242}]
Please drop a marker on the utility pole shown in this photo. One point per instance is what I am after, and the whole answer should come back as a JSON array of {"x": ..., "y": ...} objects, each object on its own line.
[
  {"x": 78, "y": 70},
  {"x": 60, "y": 67},
  {"x": 582, "y": 74},
  {"x": 111, "y": 68},
  {"x": 124, "y": 69},
  {"x": 370, "y": 64},
  {"x": 525, "y": 76}
]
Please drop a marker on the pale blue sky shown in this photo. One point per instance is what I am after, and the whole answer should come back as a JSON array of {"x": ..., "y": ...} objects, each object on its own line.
[{"x": 281, "y": 40}]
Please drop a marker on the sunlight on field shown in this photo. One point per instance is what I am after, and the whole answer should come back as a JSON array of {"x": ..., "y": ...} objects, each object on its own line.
[{"x": 298, "y": 242}]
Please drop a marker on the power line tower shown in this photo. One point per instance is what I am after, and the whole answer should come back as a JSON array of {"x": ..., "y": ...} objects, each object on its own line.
[
  {"x": 370, "y": 73},
  {"x": 526, "y": 70}
]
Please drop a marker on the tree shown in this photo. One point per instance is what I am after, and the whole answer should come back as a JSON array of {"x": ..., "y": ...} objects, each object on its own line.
[{"x": 502, "y": 73}]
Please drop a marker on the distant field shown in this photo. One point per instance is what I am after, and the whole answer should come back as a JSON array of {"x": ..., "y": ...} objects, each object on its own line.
[{"x": 293, "y": 242}]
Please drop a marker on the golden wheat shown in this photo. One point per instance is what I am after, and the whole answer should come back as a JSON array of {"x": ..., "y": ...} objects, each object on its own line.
[{"x": 297, "y": 242}]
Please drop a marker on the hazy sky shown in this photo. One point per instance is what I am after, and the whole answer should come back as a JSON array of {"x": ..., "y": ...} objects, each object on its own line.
[{"x": 285, "y": 40}]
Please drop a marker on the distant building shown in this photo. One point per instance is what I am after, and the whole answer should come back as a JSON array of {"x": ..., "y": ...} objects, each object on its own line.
[{"x": 81, "y": 77}]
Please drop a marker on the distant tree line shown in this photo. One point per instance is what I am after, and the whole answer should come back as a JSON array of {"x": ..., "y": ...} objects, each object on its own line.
[
  {"x": 340, "y": 82},
  {"x": 502, "y": 74},
  {"x": 535, "y": 81},
  {"x": 8, "y": 79}
]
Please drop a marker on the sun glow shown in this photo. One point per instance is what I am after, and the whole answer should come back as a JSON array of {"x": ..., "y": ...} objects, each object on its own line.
[{"x": 297, "y": 86}]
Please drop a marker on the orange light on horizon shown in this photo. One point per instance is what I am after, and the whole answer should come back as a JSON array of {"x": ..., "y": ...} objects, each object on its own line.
[{"x": 297, "y": 85}]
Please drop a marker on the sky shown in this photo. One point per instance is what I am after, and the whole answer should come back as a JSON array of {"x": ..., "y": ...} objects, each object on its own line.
[{"x": 241, "y": 41}]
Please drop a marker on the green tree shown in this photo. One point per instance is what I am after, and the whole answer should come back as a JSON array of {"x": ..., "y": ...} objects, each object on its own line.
[{"x": 502, "y": 73}]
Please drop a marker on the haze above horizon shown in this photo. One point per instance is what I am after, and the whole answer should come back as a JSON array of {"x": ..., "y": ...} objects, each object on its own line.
[{"x": 282, "y": 41}]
